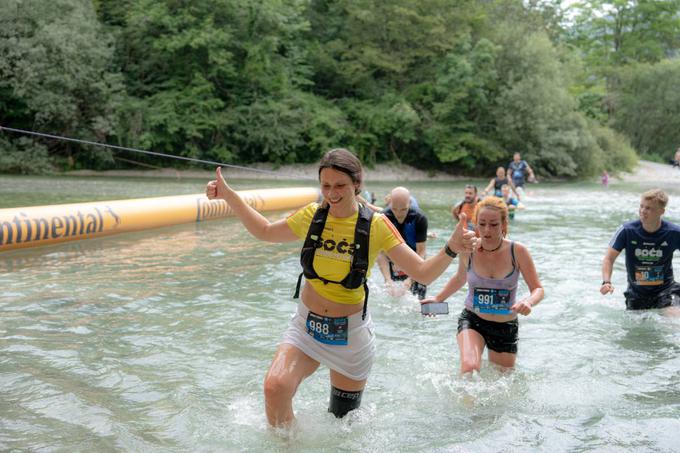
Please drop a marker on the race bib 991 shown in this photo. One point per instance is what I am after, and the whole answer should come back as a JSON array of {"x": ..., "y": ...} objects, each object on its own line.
[{"x": 492, "y": 301}]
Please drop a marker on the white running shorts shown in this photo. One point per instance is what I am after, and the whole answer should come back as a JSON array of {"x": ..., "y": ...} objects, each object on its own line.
[{"x": 353, "y": 360}]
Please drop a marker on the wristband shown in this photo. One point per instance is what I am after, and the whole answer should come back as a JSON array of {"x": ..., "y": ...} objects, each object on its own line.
[
  {"x": 449, "y": 252},
  {"x": 606, "y": 282}
]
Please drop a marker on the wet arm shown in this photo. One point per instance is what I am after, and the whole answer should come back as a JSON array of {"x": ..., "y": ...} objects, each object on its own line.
[
  {"x": 425, "y": 271},
  {"x": 608, "y": 264},
  {"x": 384, "y": 267},
  {"x": 420, "y": 270},
  {"x": 370, "y": 206},
  {"x": 607, "y": 269},
  {"x": 530, "y": 171},
  {"x": 528, "y": 270},
  {"x": 455, "y": 283},
  {"x": 257, "y": 224},
  {"x": 455, "y": 211},
  {"x": 489, "y": 187},
  {"x": 420, "y": 249}
]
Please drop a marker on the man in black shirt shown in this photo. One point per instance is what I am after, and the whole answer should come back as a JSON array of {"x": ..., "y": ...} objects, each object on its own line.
[{"x": 412, "y": 225}]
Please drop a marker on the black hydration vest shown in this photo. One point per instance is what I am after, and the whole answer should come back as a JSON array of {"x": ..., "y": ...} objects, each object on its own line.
[{"x": 359, "y": 266}]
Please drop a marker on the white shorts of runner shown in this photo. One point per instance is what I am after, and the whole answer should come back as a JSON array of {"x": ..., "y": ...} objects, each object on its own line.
[{"x": 353, "y": 360}]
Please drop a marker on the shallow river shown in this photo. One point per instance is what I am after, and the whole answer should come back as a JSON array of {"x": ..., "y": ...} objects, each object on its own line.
[{"x": 159, "y": 340}]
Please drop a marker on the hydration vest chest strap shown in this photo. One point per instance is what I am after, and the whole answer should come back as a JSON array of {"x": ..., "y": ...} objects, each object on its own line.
[
  {"x": 359, "y": 265},
  {"x": 363, "y": 312},
  {"x": 297, "y": 287}
]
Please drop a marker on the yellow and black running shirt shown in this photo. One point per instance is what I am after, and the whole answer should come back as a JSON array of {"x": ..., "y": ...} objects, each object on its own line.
[{"x": 333, "y": 259}]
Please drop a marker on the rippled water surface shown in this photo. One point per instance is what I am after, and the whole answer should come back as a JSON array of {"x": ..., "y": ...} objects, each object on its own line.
[{"x": 159, "y": 340}]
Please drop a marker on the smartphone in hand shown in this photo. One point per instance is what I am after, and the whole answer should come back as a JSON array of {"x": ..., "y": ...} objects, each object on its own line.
[{"x": 435, "y": 308}]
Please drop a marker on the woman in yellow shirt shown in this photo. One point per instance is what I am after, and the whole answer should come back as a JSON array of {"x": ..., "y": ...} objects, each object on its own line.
[{"x": 331, "y": 325}]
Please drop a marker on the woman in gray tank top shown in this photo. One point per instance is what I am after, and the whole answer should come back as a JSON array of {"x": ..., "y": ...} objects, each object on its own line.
[{"x": 489, "y": 318}]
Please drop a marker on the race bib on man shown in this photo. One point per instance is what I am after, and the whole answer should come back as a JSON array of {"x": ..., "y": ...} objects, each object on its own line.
[
  {"x": 492, "y": 301},
  {"x": 649, "y": 275},
  {"x": 327, "y": 330}
]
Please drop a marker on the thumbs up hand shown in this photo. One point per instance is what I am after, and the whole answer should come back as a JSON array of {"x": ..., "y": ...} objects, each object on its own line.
[
  {"x": 463, "y": 240},
  {"x": 218, "y": 187}
]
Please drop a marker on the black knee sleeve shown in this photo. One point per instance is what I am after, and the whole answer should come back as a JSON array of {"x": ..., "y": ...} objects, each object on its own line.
[{"x": 343, "y": 401}]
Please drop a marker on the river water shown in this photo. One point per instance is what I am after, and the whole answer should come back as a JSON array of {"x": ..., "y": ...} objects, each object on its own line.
[{"x": 159, "y": 340}]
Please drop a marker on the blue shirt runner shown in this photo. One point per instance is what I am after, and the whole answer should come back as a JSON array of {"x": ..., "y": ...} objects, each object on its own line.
[{"x": 649, "y": 256}]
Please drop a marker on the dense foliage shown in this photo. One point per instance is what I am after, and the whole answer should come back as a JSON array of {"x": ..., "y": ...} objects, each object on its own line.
[
  {"x": 457, "y": 85},
  {"x": 630, "y": 81}
]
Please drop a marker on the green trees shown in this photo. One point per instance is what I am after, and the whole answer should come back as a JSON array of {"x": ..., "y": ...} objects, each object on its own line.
[
  {"x": 433, "y": 83},
  {"x": 378, "y": 62},
  {"x": 648, "y": 107},
  {"x": 539, "y": 117},
  {"x": 223, "y": 80},
  {"x": 177, "y": 63},
  {"x": 611, "y": 33},
  {"x": 56, "y": 75},
  {"x": 630, "y": 50}
]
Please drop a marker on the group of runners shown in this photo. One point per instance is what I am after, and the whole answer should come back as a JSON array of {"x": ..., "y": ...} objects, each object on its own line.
[{"x": 344, "y": 237}]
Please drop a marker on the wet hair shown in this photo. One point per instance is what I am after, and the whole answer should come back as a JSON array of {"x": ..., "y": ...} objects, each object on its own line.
[
  {"x": 471, "y": 186},
  {"x": 497, "y": 204},
  {"x": 657, "y": 195},
  {"x": 343, "y": 160}
]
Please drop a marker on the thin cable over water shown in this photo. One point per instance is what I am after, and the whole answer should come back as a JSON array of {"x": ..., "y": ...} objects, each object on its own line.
[{"x": 153, "y": 153}]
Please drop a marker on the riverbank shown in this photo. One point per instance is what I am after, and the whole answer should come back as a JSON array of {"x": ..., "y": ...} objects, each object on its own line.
[
  {"x": 650, "y": 172},
  {"x": 645, "y": 172},
  {"x": 380, "y": 172}
]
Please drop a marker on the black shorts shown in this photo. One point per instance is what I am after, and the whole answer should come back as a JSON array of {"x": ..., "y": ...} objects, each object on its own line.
[
  {"x": 667, "y": 298},
  {"x": 499, "y": 336}
]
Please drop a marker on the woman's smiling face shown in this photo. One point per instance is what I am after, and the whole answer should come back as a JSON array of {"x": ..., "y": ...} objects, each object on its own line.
[{"x": 337, "y": 188}]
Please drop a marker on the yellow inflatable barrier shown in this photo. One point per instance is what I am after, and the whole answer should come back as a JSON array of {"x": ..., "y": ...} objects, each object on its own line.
[{"x": 42, "y": 225}]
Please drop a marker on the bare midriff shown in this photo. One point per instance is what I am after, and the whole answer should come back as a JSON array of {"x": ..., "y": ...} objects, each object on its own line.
[{"x": 322, "y": 306}]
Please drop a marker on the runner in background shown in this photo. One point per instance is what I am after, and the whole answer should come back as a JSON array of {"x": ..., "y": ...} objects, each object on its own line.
[
  {"x": 513, "y": 203},
  {"x": 499, "y": 181},
  {"x": 649, "y": 244},
  {"x": 518, "y": 170},
  {"x": 467, "y": 206},
  {"x": 411, "y": 223}
]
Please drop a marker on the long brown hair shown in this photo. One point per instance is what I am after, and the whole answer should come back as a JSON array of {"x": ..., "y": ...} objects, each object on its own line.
[{"x": 343, "y": 160}]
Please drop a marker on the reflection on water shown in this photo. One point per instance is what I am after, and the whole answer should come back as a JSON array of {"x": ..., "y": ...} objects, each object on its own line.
[{"x": 159, "y": 341}]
